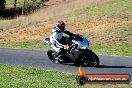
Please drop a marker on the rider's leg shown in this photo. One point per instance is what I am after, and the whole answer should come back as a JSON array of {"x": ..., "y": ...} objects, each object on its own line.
[{"x": 59, "y": 54}]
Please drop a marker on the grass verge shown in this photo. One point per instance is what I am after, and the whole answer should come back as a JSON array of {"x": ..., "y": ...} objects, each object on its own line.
[
  {"x": 28, "y": 77},
  {"x": 112, "y": 9},
  {"x": 112, "y": 50},
  {"x": 97, "y": 48},
  {"x": 28, "y": 44},
  {"x": 115, "y": 41}
]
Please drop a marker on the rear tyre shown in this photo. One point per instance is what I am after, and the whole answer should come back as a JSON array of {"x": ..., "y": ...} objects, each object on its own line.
[
  {"x": 78, "y": 64},
  {"x": 50, "y": 54}
]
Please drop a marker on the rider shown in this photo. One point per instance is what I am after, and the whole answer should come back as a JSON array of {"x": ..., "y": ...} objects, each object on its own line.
[{"x": 57, "y": 37}]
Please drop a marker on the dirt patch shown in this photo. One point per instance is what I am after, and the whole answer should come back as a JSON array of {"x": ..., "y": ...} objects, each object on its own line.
[
  {"x": 95, "y": 26},
  {"x": 32, "y": 32},
  {"x": 44, "y": 29}
]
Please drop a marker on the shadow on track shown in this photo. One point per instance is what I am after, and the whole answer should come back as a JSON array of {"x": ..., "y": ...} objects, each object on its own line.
[
  {"x": 101, "y": 66},
  {"x": 105, "y": 66},
  {"x": 75, "y": 65}
]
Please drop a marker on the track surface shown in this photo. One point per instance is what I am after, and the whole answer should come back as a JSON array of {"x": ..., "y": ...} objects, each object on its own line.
[{"x": 38, "y": 58}]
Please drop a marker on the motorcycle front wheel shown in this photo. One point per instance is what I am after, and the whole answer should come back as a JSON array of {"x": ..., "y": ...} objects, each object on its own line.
[{"x": 89, "y": 58}]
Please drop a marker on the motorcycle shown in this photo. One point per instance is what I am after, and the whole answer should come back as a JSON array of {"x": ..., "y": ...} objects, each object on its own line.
[{"x": 76, "y": 52}]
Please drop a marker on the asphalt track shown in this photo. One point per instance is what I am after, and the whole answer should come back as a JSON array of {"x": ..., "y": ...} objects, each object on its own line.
[{"x": 38, "y": 58}]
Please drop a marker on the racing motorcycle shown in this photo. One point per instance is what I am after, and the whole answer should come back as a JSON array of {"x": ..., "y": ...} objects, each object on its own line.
[{"x": 75, "y": 51}]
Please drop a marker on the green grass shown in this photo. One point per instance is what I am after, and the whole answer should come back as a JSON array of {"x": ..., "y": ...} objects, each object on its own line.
[
  {"x": 30, "y": 44},
  {"x": 104, "y": 49},
  {"x": 113, "y": 8},
  {"x": 28, "y": 77},
  {"x": 9, "y": 1}
]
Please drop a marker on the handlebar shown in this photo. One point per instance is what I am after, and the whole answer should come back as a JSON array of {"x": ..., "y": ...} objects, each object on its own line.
[{"x": 71, "y": 47}]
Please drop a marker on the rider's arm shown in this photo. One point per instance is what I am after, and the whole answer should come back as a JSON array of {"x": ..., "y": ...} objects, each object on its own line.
[
  {"x": 69, "y": 33},
  {"x": 54, "y": 40},
  {"x": 59, "y": 45}
]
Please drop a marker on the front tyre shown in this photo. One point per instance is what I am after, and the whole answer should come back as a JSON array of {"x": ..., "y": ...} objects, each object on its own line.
[
  {"x": 89, "y": 58},
  {"x": 95, "y": 61}
]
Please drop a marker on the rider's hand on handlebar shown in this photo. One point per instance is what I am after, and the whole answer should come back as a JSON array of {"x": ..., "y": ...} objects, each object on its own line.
[
  {"x": 76, "y": 35},
  {"x": 66, "y": 47}
]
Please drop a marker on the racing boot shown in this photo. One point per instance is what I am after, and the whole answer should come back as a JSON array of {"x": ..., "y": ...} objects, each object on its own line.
[{"x": 59, "y": 57}]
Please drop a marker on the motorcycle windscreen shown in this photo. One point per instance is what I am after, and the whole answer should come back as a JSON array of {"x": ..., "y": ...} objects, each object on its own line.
[{"x": 84, "y": 44}]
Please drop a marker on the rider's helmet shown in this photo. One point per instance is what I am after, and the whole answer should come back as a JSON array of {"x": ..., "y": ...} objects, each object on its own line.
[{"x": 61, "y": 25}]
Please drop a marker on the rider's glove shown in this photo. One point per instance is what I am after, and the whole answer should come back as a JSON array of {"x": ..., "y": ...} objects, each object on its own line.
[
  {"x": 76, "y": 35},
  {"x": 66, "y": 47}
]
